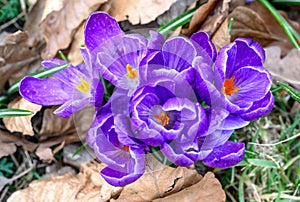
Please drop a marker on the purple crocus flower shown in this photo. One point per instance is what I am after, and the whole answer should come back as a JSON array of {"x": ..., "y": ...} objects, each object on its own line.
[
  {"x": 243, "y": 80},
  {"x": 118, "y": 55},
  {"x": 114, "y": 146},
  {"x": 73, "y": 88},
  {"x": 193, "y": 59}
]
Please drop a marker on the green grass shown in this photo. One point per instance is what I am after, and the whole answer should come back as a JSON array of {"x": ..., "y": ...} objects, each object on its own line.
[
  {"x": 9, "y": 10},
  {"x": 6, "y": 167},
  {"x": 270, "y": 170}
]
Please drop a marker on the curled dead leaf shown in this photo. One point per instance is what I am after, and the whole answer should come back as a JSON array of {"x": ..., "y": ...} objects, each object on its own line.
[
  {"x": 256, "y": 22},
  {"x": 158, "y": 181},
  {"x": 21, "y": 124},
  {"x": 6, "y": 147},
  {"x": 59, "y": 26},
  {"x": 199, "y": 17},
  {"x": 45, "y": 154},
  {"x": 207, "y": 190},
  {"x": 138, "y": 11},
  {"x": 17, "y": 58},
  {"x": 8, "y": 138},
  {"x": 85, "y": 186},
  {"x": 74, "y": 55}
]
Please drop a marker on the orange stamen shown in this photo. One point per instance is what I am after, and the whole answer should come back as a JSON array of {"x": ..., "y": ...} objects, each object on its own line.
[
  {"x": 131, "y": 73},
  {"x": 229, "y": 88},
  {"x": 163, "y": 119},
  {"x": 126, "y": 148}
]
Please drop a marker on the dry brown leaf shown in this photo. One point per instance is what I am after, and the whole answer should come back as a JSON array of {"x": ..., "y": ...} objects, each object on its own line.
[
  {"x": 199, "y": 17},
  {"x": 287, "y": 68},
  {"x": 74, "y": 55},
  {"x": 256, "y": 22},
  {"x": 138, "y": 11},
  {"x": 17, "y": 58},
  {"x": 86, "y": 186},
  {"x": 208, "y": 189},
  {"x": 21, "y": 124},
  {"x": 158, "y": 181},
  {"x": 59, "y": 26},
  {"x": 6, "y": 148},
  {"x": 221, "y": 36},
  {"x": 45, "y": 154},
  {"x": 53, "y": 125},
  {"x": 8, "y": 138},
  {"x": 32, "y": 24}
]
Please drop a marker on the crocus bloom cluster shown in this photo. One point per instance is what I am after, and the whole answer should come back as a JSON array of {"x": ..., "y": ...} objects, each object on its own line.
[{"x": 178, "y": 95}]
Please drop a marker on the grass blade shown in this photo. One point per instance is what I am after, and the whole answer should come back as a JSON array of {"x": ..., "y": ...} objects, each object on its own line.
[
  {"x": 284, "y": 24},
  {"x": 14, "y": 112},
  {"x": 179, "y": 21},
  {"x": 290, "y": 90},
  {"x": 79, "y": 149},
  {"x": 262, "y": 163}
]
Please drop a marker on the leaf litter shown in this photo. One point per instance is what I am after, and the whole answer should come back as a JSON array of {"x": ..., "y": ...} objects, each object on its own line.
[{"x": 20, "y": 54}]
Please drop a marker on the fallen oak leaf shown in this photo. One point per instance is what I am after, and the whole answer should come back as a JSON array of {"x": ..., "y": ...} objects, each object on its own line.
[
  {"x": 208, "y": 189},
  {"x": 256, "y": 22},
  {"x": 8, "y": 138},
  {"x": 74, "y": 55},
  {"x": 200, "y": 15},
  {"x": 158, "y": 181},
  {"x": 138, "y": 11},
  {"x": 6, "y": 148},
  {"x": 59, "y": 26},
  {"x": 21, "y": 124},
  {"x": 85, "y": 186},
  {"x": 17, "y": 58}
]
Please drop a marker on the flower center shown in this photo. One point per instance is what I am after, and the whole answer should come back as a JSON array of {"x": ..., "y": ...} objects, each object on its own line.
[
  {"x": 84, "y": 86},
  {"x": 229, "y": 88},
  {"x": 162, "y": 118},
  {"x": 131, "y": 73},
  {"x": 126, "y": 148}
]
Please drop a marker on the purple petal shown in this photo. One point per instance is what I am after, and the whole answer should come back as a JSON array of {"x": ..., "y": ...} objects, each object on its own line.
[
  {"x": 233, "y": 122},
  {"x": 203, "y": 44},
  {"x": 174, "y": 156},
  {"x": 204, "y": 67},
  {"x": 254, "y": 84},
  {"x": 97, "y": 91},
  {"x": 226, "y": 155},
  {"x": 99, "y": 28},
  {"x": 156, "y": 41},
  {"x": 240, "y": 53},
  {"x": 116, "y": 178},
  {"x": 52, "y": 62},
  {"x": 70, "y": 107},
  {"x": 127, "y": 50},
  {"x": 178, "y": 53},
  {"x": 46, "y": 92},
  {"x": 259, "y": 108}
]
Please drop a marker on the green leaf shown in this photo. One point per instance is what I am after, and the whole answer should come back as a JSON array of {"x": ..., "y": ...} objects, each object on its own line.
[
  {"x": 179, "y": 21},
  {"x": 262, "y": 163},
  {"x": 14, "y": 112},
  {"x": 290, "y": 90},
  {"x": 41, "y": 74},
  {"x": 241, "y": 186}
]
